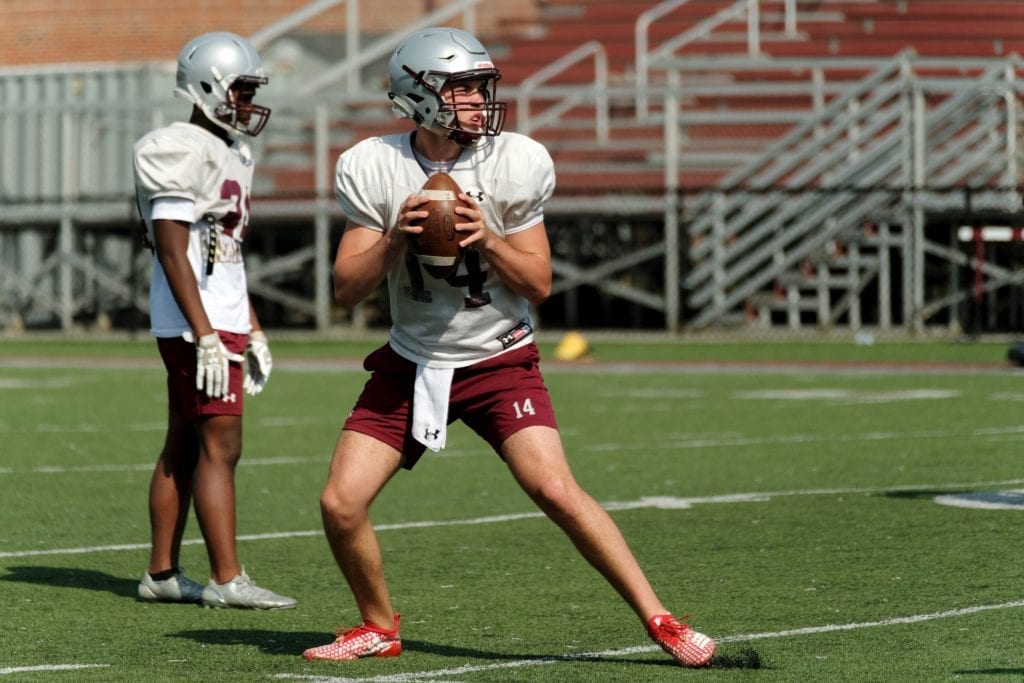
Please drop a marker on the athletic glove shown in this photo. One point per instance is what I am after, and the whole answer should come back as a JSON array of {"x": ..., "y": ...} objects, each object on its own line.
[
  {"x": 258, "y": 363},
  {"x": 212, "y": 359}
]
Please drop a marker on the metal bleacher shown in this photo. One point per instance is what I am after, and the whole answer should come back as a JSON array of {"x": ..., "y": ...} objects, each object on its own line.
[{"x": 755, "y": 164}]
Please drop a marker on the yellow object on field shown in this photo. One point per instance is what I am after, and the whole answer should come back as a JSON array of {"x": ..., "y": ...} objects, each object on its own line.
[{"x": 573, "y": 346}]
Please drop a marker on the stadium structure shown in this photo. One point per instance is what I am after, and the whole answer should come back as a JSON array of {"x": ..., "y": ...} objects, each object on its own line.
[{"x": 756, "y": 165}]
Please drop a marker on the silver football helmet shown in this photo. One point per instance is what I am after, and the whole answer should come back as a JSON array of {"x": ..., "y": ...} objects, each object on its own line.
[
  {"x": 429, "y": 61},
  {"x": 209, "y": 66}
]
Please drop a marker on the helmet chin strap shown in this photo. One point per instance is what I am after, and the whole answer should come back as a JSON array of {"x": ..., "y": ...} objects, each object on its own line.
[
  {"x": 451, "y": 128},
  {"x": 463, "y": 138}
]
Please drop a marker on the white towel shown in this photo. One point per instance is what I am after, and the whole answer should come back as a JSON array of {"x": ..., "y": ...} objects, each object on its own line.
[{"x": 430, "y": 406}]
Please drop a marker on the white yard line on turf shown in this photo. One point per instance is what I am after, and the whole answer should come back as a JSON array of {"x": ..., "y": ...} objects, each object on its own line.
[
  {"x": 49, "y": 667},
  {"x": 148, "y": 466},
  {"x": 724, "y": 441},
  {"x": 739, "y": 440},
  {"x": 657, "y": 502},
  {"x": 412, "y": 677}
]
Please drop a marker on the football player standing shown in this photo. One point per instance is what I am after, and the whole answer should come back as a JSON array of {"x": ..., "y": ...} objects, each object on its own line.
[
  {"x": 193, "y": 182},
  {"x": 461, "y": 347}
]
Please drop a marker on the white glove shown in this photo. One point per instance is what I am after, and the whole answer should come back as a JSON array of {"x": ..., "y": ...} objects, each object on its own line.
[
  {"x": 212, "y": 359},
  {"x": 258, "y": 363}
]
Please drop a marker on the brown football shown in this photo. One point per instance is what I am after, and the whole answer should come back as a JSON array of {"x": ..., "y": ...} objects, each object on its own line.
[{"x": 437, "y": 247}]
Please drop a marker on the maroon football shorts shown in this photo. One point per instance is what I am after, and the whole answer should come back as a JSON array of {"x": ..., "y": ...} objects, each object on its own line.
[
  {"x": 495, "y": 398},
  {"x": 179, "y": 358}
]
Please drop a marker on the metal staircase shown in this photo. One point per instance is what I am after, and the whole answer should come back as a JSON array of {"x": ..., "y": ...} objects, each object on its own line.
[{"x": 789, "y": 231}]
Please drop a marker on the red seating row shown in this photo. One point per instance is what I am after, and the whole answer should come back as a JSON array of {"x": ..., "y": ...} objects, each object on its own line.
[{"x": 827, "y": 28}]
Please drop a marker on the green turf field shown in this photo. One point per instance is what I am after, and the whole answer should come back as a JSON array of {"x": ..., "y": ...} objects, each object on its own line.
[{"x": 788, "y": 507}]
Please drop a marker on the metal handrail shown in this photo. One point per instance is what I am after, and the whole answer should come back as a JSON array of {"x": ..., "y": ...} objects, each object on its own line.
[
  {"x": 283, "y": 26},
  {"x": 530, "y": 86},
  {"x": 644, "y": 56},
  {"x": 386, "y": 45}
]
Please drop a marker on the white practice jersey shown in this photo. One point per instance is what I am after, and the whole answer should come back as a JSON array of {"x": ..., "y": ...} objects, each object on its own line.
[
  {"x": 471, "y": 315},
  {"x": 192, "y": 166}
]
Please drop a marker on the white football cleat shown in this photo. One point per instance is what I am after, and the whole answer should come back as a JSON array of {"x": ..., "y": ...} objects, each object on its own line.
[
  {"x": 178, "y": 588},
  {"x": 242, "y": 593}
]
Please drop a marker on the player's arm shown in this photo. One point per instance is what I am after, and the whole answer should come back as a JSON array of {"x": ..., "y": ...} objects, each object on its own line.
[
  {"x": 365, "y": 255},
  {"x": 254, "y": 320},
  {"x": 522, "y": 260},
  {"x": 171, "y": 241}
]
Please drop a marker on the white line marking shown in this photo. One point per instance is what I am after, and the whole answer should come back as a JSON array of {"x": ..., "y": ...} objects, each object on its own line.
[
  {"x": 794, "y": 394},
  {"x": 895, "y": 621},
  {"x": 1006, "y": 396},
  {"x": 411, "y": 677},
  {"x": 145, "y": 546},
  {"x": 80, "y": 551},
  {"x": 48, "y": 428},
  {"x": 34, "y": 384},
  {"x": 656, "y": 502},
  {"x": 908, "y": 395},
  {"x": 50, "y": 667},
  {"x": 654, "y": 393},
  {"x": 148, "y": 467},
  {"x": 844, "y": 396},
  {"x": 800, "y": 438},
  {"x": 49, "y": 469},
  {"x": 679, "y": 442}
]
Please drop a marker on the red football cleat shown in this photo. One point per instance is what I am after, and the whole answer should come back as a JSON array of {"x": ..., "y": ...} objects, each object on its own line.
[
  {"x": 688, "y": 647},
  {"x": 365, "y": 640}
]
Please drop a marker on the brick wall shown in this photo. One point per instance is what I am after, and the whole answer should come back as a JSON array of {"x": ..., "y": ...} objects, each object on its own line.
[{"x": 59, "y": 31}]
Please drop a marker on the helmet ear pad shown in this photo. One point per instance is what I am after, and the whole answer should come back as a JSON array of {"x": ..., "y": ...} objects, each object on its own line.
[{"x": 402, "y": 107}]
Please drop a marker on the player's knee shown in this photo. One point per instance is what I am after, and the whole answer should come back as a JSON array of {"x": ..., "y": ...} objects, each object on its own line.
[
  {"x": 558, "y": 497},
  {"x": 339, "y": 511},
  {"x": 221, "y": 455}
]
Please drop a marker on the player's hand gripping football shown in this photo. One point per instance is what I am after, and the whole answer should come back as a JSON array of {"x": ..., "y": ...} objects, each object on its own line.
[
  {"x": 472, "y": 228},
  {"x": 258, "y": 363},
  {"x": 212, "y": 359},
  {"x": 410, "y": 212}
]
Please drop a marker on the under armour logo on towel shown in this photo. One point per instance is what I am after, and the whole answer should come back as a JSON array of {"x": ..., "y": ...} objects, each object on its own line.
[{"x": 430, "y": 393}]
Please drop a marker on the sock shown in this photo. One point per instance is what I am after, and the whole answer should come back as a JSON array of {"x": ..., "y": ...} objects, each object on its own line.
[{"x": 164, "y": 575}]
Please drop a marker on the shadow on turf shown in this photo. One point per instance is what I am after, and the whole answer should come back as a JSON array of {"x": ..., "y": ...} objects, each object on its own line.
[
  {"x": 288, "y": 643},
  {"x": 747, "y": 658},
  {"x": 990, "y": 672},
  {"x": 72, "y": 577},
  {"x": 919, "y": 494},
  {"x": 293, "y": 643}
]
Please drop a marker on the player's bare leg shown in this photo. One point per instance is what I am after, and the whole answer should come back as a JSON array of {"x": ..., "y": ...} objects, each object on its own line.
[
  {"x": 170, "y": 493},
  {"x": 360, "y": 467},
  {"x": 537, "y": 461},
  {"x": 220, "y": 447}
]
